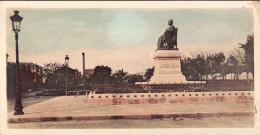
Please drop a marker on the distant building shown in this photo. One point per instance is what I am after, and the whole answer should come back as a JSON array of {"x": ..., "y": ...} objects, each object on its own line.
[
  {"x": 30, "y": 68},
  {"x": 34, "y": 69},
  {"x": 76, "y": 77},
  {"x": 30, "y": 75},
  {"x": 89, "y": 73}
]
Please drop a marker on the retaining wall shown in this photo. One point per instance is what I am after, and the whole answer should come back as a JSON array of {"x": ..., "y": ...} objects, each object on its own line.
[{"x": 171, "y": 97}]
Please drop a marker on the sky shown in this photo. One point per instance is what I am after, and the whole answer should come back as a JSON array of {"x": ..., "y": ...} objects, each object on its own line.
[{"x": 123, "y": 38}]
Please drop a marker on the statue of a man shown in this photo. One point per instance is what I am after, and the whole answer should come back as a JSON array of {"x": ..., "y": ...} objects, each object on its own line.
[{"x": 168, "y": 41}]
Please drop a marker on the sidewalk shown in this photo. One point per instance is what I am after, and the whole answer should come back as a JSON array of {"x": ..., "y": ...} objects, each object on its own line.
[{"x": 76, "y": 108}]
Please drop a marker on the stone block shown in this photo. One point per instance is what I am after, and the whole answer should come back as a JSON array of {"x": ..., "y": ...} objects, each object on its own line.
[{"x": 167, "y": 67}]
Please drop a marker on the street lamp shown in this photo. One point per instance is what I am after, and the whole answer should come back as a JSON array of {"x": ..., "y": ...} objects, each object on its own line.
[
  {"x": 67, "y": 63},
  {"x": 84, "y": 70},
  {"x": 16, "y": 24}
]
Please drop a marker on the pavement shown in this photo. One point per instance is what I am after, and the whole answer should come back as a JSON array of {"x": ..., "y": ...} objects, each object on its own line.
[{"x": 75, "y": 108}]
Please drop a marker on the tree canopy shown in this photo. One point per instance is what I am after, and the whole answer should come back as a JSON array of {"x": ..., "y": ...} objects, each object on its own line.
[
  {"x": 55, "y": 75},
  {"x": 248, "y": 55},
  {"x": 102, "y": 74}
]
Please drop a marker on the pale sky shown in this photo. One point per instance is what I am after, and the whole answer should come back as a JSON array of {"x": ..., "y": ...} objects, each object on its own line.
[{"x": 123, "y": 38}]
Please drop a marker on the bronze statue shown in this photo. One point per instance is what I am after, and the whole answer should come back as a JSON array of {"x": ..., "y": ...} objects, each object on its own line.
[{"x": 168, "y": 41}]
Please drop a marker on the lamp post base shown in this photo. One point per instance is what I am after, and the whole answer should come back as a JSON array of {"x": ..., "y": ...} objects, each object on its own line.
[{"x": 20, "y": 112}]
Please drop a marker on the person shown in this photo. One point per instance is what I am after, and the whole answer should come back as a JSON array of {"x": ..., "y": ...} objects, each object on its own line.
[
  {"x": 171, "y": 28},
  {"x": 168, "y": 39}
]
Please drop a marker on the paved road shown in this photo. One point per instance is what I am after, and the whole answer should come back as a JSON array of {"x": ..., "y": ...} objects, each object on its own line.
[
  {"x": 65, "y": 106},
  {"x": 208, "y": 122}
]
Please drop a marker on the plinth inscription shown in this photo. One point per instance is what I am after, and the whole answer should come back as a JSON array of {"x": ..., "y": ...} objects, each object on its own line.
[{"x": 168, "y": 66}]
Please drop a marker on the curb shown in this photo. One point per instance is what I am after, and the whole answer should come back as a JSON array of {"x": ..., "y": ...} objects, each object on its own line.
[{"x": 137, "y": 116}]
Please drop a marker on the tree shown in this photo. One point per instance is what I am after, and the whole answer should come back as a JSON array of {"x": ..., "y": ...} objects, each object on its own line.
[
  {"x": 135, "y": 78},
  {"x": 200, "y": 66},
  {"x": 55, "y": 75},
  {"x": 194, "y": 68},
  {"x": 219, "y": 64},
  {"x": 50, "y": 68},
  {"x": 208, "y": 66},
  {"x": 233, "y": 66},
  {"x": 149, "y": 73},
  {"x": 120, "y": 76},
  {"x": 185, "y": 68},
  {"x": 215, "y": 63},
  {"x": 225, "y": 70},
  {"x": 248, "y": 48},
  {"x": 10, "y": 70},
  {"x": 218, "y": 61},
  {"x": 102, "y": 75},
  {"x": 29, "y": 79}
]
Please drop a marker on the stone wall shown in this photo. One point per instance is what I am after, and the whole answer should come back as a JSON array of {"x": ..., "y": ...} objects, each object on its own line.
[{"x": 171, "y": 97}]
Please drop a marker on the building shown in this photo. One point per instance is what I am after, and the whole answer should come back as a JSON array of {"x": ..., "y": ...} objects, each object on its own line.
[
  {"x": 34, "y": 69},
  {"x": 28, "y": 68},
  {"x": 76, "y": 77},
  {"x": 30, "y": 75},
  {"x": 89, "y": 73}
]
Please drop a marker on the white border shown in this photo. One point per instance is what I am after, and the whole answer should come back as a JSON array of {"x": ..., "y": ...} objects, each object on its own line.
[{"x": 126, "y": 4}]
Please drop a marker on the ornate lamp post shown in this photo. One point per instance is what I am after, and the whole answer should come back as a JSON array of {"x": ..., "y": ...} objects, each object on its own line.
[
  {"x": 84, "y": 70},
  {"x": 16, "y": 24},
  {"x": 67, "y": 63}
]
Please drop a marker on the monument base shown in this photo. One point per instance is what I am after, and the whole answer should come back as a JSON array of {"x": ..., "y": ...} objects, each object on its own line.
[
  {"x": 168, "y": 78},
  {"x": 167, "y": 67}
]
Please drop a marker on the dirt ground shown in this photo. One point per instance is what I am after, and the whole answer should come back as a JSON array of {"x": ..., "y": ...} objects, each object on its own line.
[{"x": 208, "y": 122}]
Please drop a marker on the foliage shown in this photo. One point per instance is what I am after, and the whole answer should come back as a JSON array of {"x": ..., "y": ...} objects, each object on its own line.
[
  {"x": 55, "y": 75},
  {"x": 234, "y": 66},
  {"x": 10, "y": 69},
  {"x": 135, "y": 78},
  {"x": 199, "y": 67},
  {"x": 149, "y": 73},
  {"x": 29, "y": 79},
  {"x": 102, "y": 75},
  {"x": 248, "y": 55},
  {"x": 216, "y": 65},
  {"x": 120, "y": 76}
]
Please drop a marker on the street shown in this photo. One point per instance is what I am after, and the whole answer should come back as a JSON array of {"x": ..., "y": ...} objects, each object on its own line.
[{"x": 208, "y": 122}]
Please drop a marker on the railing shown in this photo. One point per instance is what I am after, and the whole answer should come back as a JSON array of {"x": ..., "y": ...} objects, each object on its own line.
[{"x": 187, "y": 87}]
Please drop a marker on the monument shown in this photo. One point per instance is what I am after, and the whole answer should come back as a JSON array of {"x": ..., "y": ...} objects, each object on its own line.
[{"x": 167, "y": 58}]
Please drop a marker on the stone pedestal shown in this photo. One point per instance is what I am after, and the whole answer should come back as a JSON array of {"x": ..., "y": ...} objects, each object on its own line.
[{"x": 167, "y": 67}]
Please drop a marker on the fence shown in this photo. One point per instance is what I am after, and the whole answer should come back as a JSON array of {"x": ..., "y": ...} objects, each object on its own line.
[
  {"x": 182, "y": 87},
  {"x": 171, "y": 97}
]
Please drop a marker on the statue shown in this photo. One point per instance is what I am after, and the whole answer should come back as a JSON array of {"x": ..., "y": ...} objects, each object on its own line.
[{"x": 168, "y": 41}]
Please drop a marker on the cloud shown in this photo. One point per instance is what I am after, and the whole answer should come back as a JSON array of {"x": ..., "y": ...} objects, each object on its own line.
[
  {"x": 191, "y": 49},
  {"x": 71, "y": 29},
  {"x": 132, "y": 60}
]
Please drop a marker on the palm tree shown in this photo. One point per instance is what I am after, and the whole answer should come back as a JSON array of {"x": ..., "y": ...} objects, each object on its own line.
[
  {"x": 248, "y": 48},
  {"x": 120, "y": 75}
]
